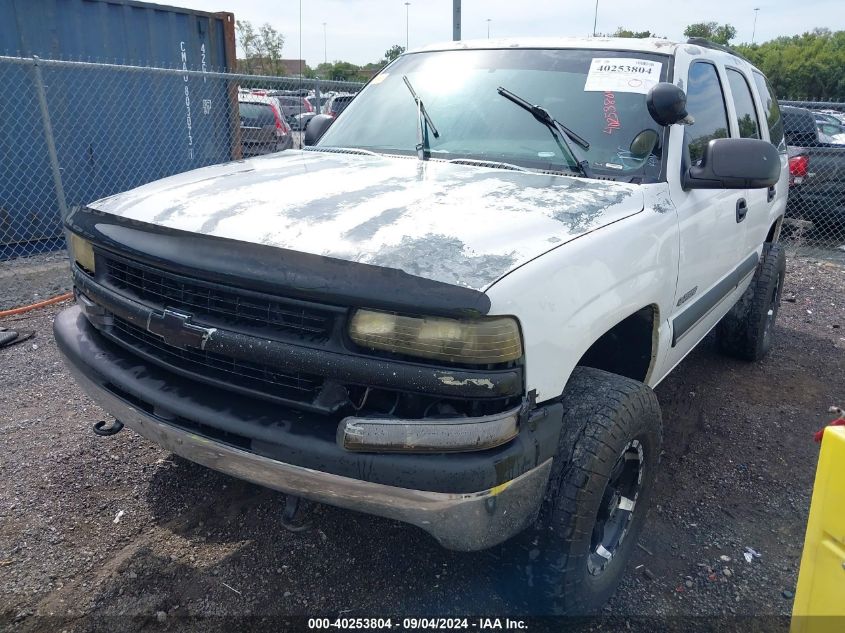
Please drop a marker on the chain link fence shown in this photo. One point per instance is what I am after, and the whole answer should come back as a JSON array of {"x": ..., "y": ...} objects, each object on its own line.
[
  {"x": 815, "y": 214},
  {"x": 74, "y": 132}
]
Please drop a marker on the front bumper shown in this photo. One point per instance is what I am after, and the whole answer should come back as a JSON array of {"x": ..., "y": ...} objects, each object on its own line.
[{"x": 434, "y": 492}]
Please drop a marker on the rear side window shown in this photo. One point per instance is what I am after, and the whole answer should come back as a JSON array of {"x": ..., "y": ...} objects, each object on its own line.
[
  {"x": 771, "y": 110},
  {"x": 799, "y": 127},
  {"x": 256, "y": 114},
  {"x": 706, "y": 104},
  {"x": 340, "y": 103},
  {"x": 746, "y": 113}
]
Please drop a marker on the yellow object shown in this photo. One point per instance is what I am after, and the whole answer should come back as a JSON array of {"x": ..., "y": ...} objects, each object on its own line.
[
  {"x": 83, "y": 252},
  {"x": 482, "y": 341},
  {"x": 820, "y": 597}
]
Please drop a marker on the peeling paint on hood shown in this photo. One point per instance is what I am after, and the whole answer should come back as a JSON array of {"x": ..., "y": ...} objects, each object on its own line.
[{"x": 458, "y": 224}]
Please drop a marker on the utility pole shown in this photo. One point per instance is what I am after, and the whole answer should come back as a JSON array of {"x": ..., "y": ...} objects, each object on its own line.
[
  {"x": 488, "y": 28},
  {"x": 595, "y": 18},
  {"x": 456, "y": 20},
  {"x": 325, "y": 48},
  {"x": 407, "y": 11},
  {"x": 754, "y": 32}
]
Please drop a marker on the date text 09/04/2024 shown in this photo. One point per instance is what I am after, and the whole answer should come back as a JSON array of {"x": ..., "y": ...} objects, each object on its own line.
[{"x": 415, "y": 624}]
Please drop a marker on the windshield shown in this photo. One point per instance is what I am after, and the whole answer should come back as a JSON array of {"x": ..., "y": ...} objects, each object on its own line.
[{"x": 459, "y": 89}]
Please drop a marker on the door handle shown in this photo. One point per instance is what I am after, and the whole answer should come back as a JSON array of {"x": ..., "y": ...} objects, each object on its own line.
[
  {"x": 741, "y": 209},
  {"x": 770, "y": 193}
]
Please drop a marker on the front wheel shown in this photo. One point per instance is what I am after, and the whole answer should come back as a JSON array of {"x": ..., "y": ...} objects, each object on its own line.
[{"x": 600, "y": 486}]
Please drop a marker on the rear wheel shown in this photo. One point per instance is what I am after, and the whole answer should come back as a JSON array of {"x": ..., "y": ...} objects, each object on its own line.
[
  {"x": 601, "y": 482},
  {"x": 746, "y": 331}
]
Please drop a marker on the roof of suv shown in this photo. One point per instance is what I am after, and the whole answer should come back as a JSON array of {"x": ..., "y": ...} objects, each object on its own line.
[
  {"x": 652, "y": 44},
  {"x": 695, "y": 47}
]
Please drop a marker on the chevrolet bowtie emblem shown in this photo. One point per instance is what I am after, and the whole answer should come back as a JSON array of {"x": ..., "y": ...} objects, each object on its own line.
[{"x": 176, "y": 330}]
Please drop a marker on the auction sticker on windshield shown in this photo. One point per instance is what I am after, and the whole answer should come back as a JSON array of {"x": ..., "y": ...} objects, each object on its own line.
[{"x": 622, "y": 74}]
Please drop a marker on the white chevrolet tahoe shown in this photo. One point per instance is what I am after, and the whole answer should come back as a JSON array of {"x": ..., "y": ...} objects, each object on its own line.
[{"x": 452, "y": 307}]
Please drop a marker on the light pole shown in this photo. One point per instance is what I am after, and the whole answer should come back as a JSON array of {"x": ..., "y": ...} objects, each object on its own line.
[
  {"x": 754, "y": 31},
  {"x": 488, "y": 28},
  {"x": 595, "y": 18},
  {"x": 407, "y": 11},
  {"x": 325, "y": 54}
]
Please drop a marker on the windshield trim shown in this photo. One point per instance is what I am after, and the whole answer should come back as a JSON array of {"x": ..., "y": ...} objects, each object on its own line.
[
  {"x": 459, "y": 159},
  {"x": 633, "y": 51}
]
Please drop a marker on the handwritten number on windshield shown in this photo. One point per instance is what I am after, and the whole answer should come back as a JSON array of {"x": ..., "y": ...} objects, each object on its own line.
[{"x": 611, "y": 115}]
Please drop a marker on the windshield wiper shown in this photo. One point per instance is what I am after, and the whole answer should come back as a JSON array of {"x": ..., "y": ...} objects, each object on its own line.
[
  {"x": 423, "y": 149},
  {"x": 558, "y": 129}
]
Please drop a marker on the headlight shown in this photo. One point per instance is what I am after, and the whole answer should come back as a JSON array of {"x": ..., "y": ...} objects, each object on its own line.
[
  {"x": 82, "y": 251},
  {"x": 477, "y": 342}
]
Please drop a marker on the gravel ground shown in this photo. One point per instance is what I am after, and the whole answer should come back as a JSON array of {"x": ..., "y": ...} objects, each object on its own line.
[
  {"x": 30, "y": 279},
  {"x": 116, "y": 534}
]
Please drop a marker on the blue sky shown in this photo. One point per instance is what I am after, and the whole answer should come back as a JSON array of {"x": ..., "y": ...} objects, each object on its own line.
[{"x": 361, "y": 30}]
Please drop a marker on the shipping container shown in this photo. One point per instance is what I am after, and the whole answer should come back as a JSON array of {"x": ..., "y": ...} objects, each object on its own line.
[{"x": 114, "y": 129}]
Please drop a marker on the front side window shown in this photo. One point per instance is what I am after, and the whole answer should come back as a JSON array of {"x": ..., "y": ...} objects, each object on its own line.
[
  {"x": 474, "y": 121},
  {"x": 746, "y": 113},
  {"x": 706, "y": 104},
  {"x": 771, "y": 110}
]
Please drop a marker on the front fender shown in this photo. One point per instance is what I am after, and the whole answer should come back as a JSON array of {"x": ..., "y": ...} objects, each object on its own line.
[{"x": 568, "y": 298}]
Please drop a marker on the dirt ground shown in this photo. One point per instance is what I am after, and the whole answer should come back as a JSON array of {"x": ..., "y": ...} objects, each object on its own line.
[
  {"x": 31, "y": 279},
  {"x": 105, "y": 534}
]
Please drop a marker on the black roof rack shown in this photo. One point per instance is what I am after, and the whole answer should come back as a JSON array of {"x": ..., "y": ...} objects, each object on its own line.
[{"x": 705, "y": 43}]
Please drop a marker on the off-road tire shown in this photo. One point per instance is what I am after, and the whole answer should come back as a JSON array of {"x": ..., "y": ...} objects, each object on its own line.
[
  {"x": 603, "y": 414},
  {"x": 746, "y": 331}
]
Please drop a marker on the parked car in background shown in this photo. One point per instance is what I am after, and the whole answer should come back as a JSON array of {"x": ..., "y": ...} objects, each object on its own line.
[
  {"x": 319, "y": 109},
  {"x": 300, "y": 121},
  {"x": 839, "y": 116},
  {"x": 816, "y": 168},
  {"x": 338, "y": 104},
  {"x": 292, "y": 106},
  {"x": 263, "y": 130},
  {"x": 829, "y": 126}
]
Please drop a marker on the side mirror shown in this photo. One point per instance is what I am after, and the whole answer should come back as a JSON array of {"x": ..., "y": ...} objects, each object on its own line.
[
  {"x": 667, "y": 104},
  {"x": 317, "y": 126},
  {"x": 735, "y": 163}
]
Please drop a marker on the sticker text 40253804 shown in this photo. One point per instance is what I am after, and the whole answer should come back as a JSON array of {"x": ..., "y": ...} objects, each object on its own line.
[{"x": 622, "y": 74}]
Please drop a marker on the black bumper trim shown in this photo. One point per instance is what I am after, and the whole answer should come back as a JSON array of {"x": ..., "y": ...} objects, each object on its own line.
[{"x": 293, "y": 437}]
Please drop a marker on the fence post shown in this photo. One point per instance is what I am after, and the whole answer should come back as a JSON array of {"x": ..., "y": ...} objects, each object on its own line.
[
  {"x": 48, "y": 137},
  {"x": 317, "y": 96}
]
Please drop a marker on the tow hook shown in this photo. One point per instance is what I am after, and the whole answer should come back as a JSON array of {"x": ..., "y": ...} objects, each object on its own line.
[
  {"x": 292, "y": 510},
  {"x": 103, "y": 431}
]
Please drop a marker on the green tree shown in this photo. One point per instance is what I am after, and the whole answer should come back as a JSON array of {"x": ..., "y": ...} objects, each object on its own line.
[
  {"x": 341, "y": 71},
  {"x": 802, "y": 67},
  {"x": 261, "y": 47},
  {"x": 623, "y": 32},
  {"x": 720, "y": 34},
  {"x": 246, "y": 36},
  {"x": 272, "y": 43},
  {"x": 393, "y": 52}
]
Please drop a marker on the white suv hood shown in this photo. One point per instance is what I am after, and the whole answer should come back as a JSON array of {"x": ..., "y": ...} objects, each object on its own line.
[{"x": 458, "y": 224}]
